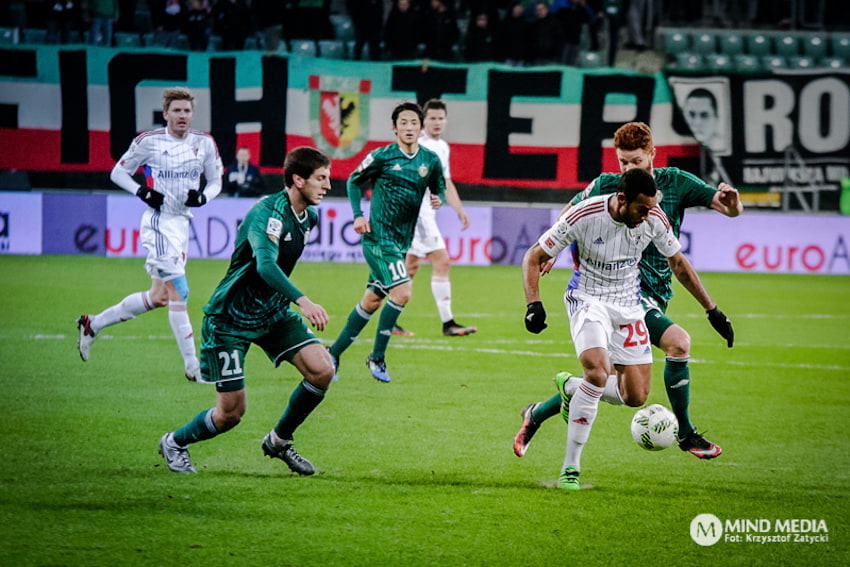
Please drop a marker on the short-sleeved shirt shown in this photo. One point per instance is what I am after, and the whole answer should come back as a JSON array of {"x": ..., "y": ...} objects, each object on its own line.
[
  {"x": 608, "y": 252},
  {"x": 243, "y": 298},
  {"x": 679, "y": 191},
  {"x": 399, "y": 182},
  {"x": 173, "y": 166}
]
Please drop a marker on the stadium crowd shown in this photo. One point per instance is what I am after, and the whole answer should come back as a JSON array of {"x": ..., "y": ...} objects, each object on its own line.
[{"x": 517, "y": 32}]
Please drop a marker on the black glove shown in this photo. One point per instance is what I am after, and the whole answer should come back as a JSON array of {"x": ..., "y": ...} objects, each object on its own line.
[
  {"x": 151, "y": 197},
  {"x": 535, "y": 317},
  {"x": 196, "y": 198},
  {"x": 722, "y": 325}
]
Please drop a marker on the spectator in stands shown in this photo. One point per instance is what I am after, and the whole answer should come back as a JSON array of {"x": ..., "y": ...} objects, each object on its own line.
[
  {"x": 126, "y": 17},
  {"x": 270, "y": 15},
  {"x": 402, "y": 31},
  {"x": 441, "y": 33},
  {"x": 573, "y": 16},
  {"x": 547, "y": 37},
  {"x": 480, "y": 40},
  {"x": 63, "y": 17},
  {"x": 168, "y": 18},
  {"x": 314, "y": 19},
  {"x": 515, "y": 36},
  {"x": 243, "y": 178},
  {"x": 198, "y": 24},
  {"x": 634, "y": 25},
  {"x": 101, "y": 14},
  {"x": 232, "y": 21},
  {"x": 367, "y": 16}
]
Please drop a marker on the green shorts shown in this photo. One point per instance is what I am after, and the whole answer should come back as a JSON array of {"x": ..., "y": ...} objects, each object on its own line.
[
  {"x": 387, "y": 268},
  {"x": 656, "y": 321},
  {"x": 224, "y": 345}
]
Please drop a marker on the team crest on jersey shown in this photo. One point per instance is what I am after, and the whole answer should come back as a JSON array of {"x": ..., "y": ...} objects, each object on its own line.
[
  {"x": 423, "y": 170},
  {"x": 195, "y": 149},
  {"x": 339, "y": 114},
  {"x": 273, "y": 230}
]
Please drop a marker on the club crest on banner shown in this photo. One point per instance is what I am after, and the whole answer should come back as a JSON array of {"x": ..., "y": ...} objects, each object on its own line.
[{"x": 339, "y": 114}]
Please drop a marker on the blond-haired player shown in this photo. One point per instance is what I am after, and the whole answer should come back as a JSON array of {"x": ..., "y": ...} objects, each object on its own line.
[{"x": 173, "y": 158}]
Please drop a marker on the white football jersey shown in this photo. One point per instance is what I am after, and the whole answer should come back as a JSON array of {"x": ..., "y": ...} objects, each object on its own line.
[
  {"x": 173, "y": 166},
  {"x": 441, "y": 148},
  {"x": 606, "y": 252}
]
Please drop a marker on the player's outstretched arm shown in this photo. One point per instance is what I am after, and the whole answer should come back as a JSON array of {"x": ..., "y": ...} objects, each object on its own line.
[
  {"x": 688, "y": 277},
  {"x": 313, "y": 312},
  {"x": 727, "y": 201}
]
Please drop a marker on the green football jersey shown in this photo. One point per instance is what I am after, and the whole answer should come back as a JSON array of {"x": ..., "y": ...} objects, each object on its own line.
[
  {"x": 679, "y": 190},
  {"x": 271, "y": 229},
  {"x": 398, "y": 182}
]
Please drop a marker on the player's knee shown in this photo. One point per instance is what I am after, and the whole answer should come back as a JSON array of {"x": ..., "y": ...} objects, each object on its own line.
[
  {"x": 635, "y": 399},
  {"x": 401, "y": 295},
  {"x": 159, "y": 298},
  {"x": 229, "y": 419},
  {"x": 679, "y": 345},
  {"x": 321, "y": 376}
]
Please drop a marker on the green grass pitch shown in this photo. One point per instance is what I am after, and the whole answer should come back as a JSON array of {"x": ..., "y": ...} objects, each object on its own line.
[{"x": 420, "y": 471}]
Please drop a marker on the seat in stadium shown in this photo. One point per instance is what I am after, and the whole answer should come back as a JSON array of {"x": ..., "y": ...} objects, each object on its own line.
[
  {"x": 343, "y": 28},
  {"x": 689, "y": 61},
  {"x": 148, "y": 39},
  {"x": 758, "y": 44},
  {"x": 332, "y": 49},
  {"x": 703, "y": 43},
  {"x": 731, "y": 43},
  {"x": 744, "y": 62},
  {"x": 675, "y": 41},
  {"x": 127, "y": 39},
  {"x": 814, "y": 46},
  {"x": 8, "y": 36},
  {"x": 252, "y": 43},
  {"x": 719, "y": 62},
  {"x": 801, "y": 62},
  {"x": 832, "y": 62},
  {"x": 786, "y": 46},
  {"x": 774, "y": 62},
  {"x": 303, "y": 47},
  {"x": 588, "y": 59},
  {"x": 214, "y": 44},
  {"x": 33, "y": 35},
  {"x": 840, "y": 44}
]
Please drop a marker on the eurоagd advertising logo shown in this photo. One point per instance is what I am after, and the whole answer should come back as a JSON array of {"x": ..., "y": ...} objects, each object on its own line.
[{"x": 708, "y": 529}]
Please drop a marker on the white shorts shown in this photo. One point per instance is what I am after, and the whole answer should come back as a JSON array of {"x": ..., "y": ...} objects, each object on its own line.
[
  {"x": 624, "y": 334},
  {"x": 166, "y": 238},
  {"x": 427, "y": 237}
]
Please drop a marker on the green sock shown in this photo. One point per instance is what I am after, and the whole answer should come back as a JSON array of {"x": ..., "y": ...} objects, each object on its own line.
[
  {"x": 546, "y": 409},
  {"x": 389, "y": 315},
  {"x": 199, "y": 429},
  {"x": 304, "y": 399},
  {"x": 677, "y": 380},
  {"x": 357, "y": 319}
]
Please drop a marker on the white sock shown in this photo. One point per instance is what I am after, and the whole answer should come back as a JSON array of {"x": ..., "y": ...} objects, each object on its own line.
[
  {"x": 182, "y": 329},
  {"x": 612, "y": 391},
  {"x": 441, "y": 288},
  {"x": 583, "y": 408},
  {"x": 132, "y": 305},
  {"x": 610, "y": 395}
]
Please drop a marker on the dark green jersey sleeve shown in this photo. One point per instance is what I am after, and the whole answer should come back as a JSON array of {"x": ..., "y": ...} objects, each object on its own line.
[
  {"x": 437, "y": 181},
  {"x": 366, "y": 172},
  {"x": 264, "y": 237},
  {"x": 591, "y": 190},
  {"x": 694, "y": 192}
]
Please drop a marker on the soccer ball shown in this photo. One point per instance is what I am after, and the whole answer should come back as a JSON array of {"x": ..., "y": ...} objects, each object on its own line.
[{"x": 654, "y": 427}]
